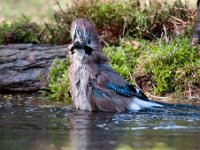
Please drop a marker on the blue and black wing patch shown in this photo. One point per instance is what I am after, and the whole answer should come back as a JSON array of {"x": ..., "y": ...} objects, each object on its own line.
[
  {"x": 127, "y": 90},
  {"x": 122, "y": 90}
]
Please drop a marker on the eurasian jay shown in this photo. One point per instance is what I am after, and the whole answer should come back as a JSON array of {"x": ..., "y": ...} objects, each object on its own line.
[{"x": 94, "y": 85}]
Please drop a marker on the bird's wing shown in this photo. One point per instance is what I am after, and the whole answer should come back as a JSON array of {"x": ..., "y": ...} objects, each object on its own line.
[
  {"x": 111, "y": 80},
  {"x": 105, "y": 98},
  {"x": 112, "y": 93}
]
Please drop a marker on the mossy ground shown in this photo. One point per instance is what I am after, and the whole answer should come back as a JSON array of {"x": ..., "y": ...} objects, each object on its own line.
[
  {"x": 157, "y": 66},
  {"x": 148, "y": 46}
]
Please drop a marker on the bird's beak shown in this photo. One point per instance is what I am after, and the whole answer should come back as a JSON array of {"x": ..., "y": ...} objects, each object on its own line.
[{"x": 78, "y": 45}]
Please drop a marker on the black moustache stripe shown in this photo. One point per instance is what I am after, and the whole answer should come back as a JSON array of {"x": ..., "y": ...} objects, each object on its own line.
[{"x": 88, "y": 50}]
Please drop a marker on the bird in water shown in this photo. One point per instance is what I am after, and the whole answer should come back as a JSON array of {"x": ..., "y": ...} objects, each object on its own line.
[{"x": 94, "y": 85}]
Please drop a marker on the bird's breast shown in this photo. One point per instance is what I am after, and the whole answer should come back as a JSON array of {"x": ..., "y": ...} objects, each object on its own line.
[{"x": 79, "y": 86}]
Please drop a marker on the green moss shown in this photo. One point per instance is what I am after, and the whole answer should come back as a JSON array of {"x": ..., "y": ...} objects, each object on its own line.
[
  {"x": 21, "y": 30},
  {"x": 167, "y": 61},
  {"x": 171, "y": 66},
  {"x": 122, "y": 59},
  {"x": 58, "y": 84}
]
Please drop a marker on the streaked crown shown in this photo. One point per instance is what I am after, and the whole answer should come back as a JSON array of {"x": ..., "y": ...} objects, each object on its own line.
[{"x": 83, "y": 31}]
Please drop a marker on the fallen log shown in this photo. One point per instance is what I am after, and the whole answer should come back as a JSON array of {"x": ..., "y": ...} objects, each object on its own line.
[{"x": 23, "y": 65}]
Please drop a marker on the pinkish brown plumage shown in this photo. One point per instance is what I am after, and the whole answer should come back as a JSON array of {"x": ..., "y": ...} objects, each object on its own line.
[{"x": 94, "y": 85}]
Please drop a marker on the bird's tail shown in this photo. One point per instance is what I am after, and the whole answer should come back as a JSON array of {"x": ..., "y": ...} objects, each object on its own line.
[{"x": 139, "y": 104}]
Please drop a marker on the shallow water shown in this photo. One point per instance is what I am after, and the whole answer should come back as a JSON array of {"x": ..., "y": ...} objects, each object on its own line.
[{"x": 26, "y": 125}]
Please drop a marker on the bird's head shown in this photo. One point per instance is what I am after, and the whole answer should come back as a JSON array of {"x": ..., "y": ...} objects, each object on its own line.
[{"x": 85, "y": 40}]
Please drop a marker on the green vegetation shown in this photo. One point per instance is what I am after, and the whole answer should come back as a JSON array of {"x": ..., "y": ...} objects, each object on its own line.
[
  {"x": 119, "y": 19},
  {"x": 161, "y": 61},
  {"x": 58, "y": 86},
  {"x": 170, "y": 67},
  {"x": 21, "y": 30}
]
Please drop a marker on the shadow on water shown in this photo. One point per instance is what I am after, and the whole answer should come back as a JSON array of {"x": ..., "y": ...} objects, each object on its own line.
[{"x": 45, "y": 127}]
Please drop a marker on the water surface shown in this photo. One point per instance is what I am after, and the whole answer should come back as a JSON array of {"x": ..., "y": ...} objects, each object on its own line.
[{"x": 25, "y": 125}]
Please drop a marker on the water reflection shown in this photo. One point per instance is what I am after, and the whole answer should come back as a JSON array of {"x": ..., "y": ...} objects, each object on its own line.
[
  {"x": 86, "y": 133},
  {"x": 38, "y": 127},
  {"x": 144, "y": 130}
]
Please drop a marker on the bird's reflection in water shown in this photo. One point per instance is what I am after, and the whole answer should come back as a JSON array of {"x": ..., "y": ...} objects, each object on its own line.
[{"x": 88, "y": 133}]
